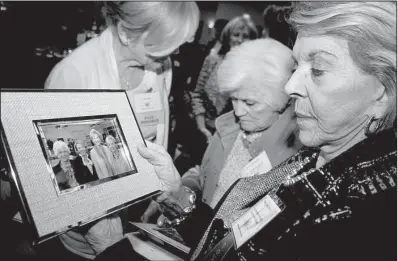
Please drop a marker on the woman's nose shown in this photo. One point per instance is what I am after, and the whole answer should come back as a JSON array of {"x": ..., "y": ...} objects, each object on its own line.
[
  {"x": 239, "y": 109},
  {"x": 295, "y": 87}
]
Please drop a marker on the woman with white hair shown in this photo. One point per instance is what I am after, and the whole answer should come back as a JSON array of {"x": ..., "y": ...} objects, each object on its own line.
[
  {"x": 261, "y": 122},
  {"x": 64, "y": 171},
  {"x": 118, "y": 160},
  {"x": 336, "y": 198},
  {"x": 207, "y": 101},
  {"x": 132, "y": 54},
  {"x": 101, "y": 156}
]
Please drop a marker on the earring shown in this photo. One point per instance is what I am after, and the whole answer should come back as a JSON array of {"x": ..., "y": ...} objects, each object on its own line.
[
  {"x": 368, "y": 131},
  {"x": 126, "y": 42}
]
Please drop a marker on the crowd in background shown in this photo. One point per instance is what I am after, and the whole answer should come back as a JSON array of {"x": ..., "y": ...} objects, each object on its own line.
[{"x": 194, "y": 99}]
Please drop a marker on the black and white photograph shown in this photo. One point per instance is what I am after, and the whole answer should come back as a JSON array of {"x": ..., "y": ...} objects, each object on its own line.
[
  {"x": 249, "y": 130},
  {"x": 86, "y": 152}
]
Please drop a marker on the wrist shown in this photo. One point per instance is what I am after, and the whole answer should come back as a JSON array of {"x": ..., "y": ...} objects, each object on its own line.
[{"x": 187, "y": 199}]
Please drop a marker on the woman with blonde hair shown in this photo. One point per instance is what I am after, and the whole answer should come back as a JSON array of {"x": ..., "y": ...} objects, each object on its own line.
[
  {"x": 132, "y": 54},
  {"x": 118, "y": 160},
  {"x": 101, "y": 156},
  {"x": 207, "y": 102},
  {"x": 86, "y": 171}
]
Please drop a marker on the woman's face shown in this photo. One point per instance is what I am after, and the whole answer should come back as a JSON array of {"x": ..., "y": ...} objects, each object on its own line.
[
  {"x": 239, "y": 36},
  {"x": 111, "y": 145},
  {"x": 63, "y": 154},
  {"x": 333, "y": 96},
  {"x": 81, "y": 149},
  {"x": 96, "y": 139},
  {"x": 152, "y": 60},
  {"x": 254, "y": 110}
]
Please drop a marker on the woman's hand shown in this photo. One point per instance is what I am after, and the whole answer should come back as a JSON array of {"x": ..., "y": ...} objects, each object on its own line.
[
  {"x": 172, "y": 206},
  {"x": 167, "y": 173},
  {"x": 156, "y": 209}
]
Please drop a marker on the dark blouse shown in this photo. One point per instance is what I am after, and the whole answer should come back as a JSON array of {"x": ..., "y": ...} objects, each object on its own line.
[
  {"x": 82, "y": 173},
  {"x": 346, "y": 210}
]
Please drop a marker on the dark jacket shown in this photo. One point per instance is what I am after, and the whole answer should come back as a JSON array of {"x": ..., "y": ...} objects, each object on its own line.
[
  {"x": 357, "y": 222},
  {"x": 82, "y": 173}
]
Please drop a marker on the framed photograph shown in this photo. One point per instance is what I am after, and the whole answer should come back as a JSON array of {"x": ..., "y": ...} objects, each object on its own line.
[
  {"x": 73, "y": 156},
  {"x": 96, "y": 151}
]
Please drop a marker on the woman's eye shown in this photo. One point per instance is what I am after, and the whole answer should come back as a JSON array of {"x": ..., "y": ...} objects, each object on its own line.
[
  {"x": 249, "y": 103},
  {"x": 317, "y": 72}
]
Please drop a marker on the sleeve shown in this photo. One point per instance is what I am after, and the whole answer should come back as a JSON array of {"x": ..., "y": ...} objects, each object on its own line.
[
  {"x": 105, "y": 233},
  {"x": 64, "y": 76},
  {"x": 204, "y": 74},
  {"x": 197, "y": 94},
  {"x": 193, "y": 180}
]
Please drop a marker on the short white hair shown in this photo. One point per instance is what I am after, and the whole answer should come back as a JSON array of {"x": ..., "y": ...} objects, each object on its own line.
[
  {"x": 58, "y": 146},
  {"x": 110, "y": 137},
  {"x": 257, "y": 65},
  {"x": 175, "y": 22}
]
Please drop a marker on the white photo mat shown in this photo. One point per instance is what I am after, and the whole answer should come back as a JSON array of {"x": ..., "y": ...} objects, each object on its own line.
[{"x": 49, "y": 212}]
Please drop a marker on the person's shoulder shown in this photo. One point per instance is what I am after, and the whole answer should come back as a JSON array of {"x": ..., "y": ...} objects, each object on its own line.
[
  {"x": 83, "y": 54},
  {"x": 71, "y": 71}
]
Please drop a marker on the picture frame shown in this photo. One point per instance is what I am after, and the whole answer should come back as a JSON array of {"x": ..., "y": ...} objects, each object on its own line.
[
  {"x": 63, "y": 175},
  {"x": 165, "y": 236}
]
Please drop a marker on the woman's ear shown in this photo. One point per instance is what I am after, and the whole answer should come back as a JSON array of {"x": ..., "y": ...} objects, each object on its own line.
[
  {"x": 121, "y": 32},
  {"x": 381, "y": 101}
]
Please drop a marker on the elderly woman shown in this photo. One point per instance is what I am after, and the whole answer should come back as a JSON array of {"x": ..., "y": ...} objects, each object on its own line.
[
  {"x": 337, "y": 196},
  {"x": 207, "y": 101},
  {"x": 85, "y": 170},
  {"x": 101, "y": 156},
  {"x": 118, "y": 160},
  {"x": 260, "y": 125},
  {"x": 64, "y": 171},
  {"x": 132, "y": 54}
]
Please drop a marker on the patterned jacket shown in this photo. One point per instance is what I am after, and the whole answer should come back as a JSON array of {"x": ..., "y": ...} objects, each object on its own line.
[{"x": 345, "y": 210}]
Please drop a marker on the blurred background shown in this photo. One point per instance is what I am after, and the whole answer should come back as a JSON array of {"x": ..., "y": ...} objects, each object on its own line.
[{"x": 36, "y": 35}]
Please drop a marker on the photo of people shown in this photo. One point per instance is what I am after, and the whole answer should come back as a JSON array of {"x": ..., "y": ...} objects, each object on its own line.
[{"x": 85, "y": 152}]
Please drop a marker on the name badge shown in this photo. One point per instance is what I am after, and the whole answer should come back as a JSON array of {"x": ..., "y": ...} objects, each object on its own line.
[
  {"x": 147, "y": 108},
  {"x": 255, "y": 219},
  {"x": 258, "y": 165},
  {"x": 147, "y": 102}
]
